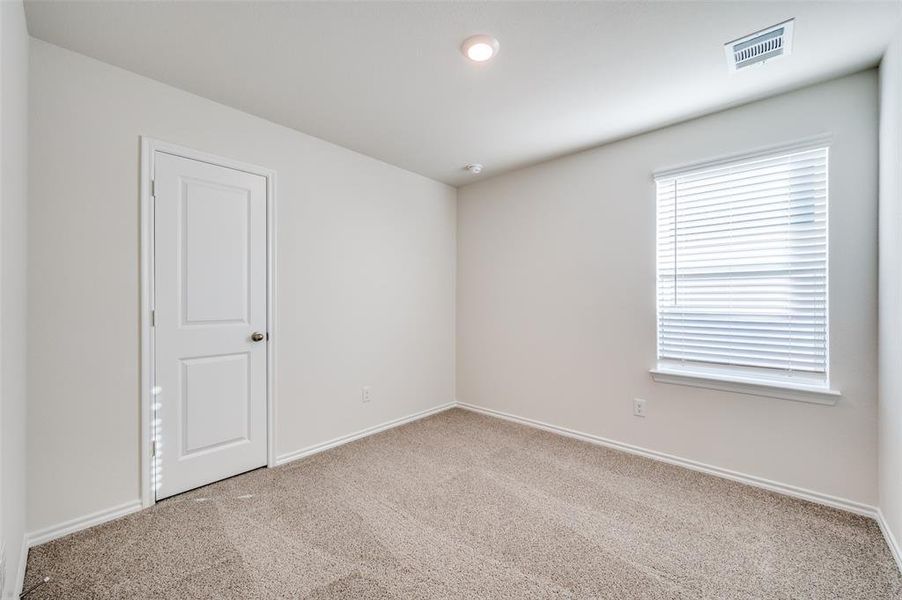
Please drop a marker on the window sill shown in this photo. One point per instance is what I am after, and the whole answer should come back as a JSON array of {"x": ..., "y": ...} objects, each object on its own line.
[{"x": 814, "y": 394}]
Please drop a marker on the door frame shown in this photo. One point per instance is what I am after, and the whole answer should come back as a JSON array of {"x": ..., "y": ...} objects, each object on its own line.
[{"x": 149, "y": 149}]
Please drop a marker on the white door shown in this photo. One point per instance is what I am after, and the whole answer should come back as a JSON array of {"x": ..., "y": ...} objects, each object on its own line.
[{"x": 210, "y": 342}]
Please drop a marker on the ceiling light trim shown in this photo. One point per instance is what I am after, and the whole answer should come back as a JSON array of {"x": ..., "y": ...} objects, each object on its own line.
[{"x": 480, "y": 48}]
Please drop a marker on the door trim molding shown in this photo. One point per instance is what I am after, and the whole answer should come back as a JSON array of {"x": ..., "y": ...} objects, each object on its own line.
[{"x": 149, "y": 148}]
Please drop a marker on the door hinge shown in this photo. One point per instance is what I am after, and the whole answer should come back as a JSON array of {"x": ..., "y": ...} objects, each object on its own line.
[
  {"x": 153, "y": 188},
  {"x": 153, "y": 318},
  {"x": 153, "y": 448}
]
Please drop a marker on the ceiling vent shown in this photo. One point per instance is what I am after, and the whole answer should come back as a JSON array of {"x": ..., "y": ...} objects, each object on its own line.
[{"x": 760, "y": 47}]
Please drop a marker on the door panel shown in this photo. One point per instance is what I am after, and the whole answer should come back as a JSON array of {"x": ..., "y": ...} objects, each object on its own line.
[
  {"x": 216, "y": 402},
  {"x": 215, "y": 233},
  {"x": 209, "y": 298}
]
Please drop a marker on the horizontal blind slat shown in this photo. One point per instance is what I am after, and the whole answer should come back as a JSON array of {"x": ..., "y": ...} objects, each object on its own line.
[{"x": 742, "y": 263}]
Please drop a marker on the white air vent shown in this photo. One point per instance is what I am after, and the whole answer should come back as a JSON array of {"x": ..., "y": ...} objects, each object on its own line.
[{"x": 760, "y": 47}]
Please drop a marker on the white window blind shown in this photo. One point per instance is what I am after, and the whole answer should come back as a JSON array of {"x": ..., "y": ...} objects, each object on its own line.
[{"x": 742, "y": 265}]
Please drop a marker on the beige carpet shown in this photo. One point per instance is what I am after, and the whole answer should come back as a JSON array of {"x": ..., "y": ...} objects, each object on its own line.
[{"x": 465, "y": 506}]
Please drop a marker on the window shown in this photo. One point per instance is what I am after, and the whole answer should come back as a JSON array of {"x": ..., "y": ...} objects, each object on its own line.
[{"x": 742, "y": 270}]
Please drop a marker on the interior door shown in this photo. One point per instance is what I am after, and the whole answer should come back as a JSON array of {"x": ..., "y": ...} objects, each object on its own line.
[{"x": 210, "y": 340}]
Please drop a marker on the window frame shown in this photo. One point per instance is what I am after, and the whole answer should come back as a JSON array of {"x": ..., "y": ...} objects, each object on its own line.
[{"x": 755, "y": 381}]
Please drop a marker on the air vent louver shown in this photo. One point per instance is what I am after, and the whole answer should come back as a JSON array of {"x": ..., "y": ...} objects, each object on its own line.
[{"x": 760, "y": 47}]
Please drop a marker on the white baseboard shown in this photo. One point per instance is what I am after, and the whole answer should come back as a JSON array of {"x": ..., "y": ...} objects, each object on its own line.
[
  {"x": 42, "y": 536},
  {"x": 20, "y": 570},
  {"x": 774, "y": 486},
  {"x": 45, "y": 535},
  {"x": 48, "y": 534},
  {"x": 890, "y": 538},
  {"x": 317, "y": 448}
]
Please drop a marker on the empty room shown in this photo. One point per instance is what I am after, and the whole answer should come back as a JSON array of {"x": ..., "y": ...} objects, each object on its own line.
[{"x": 450, "y": 300}]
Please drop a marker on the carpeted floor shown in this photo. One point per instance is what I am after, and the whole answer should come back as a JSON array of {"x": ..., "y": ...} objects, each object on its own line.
[{"x": 464, "y": 506}]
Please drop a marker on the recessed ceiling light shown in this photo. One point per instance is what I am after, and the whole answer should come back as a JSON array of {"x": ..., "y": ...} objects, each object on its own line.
[
  {"x": 474, "y": 168},
  {"x": 480, "y": 48}
]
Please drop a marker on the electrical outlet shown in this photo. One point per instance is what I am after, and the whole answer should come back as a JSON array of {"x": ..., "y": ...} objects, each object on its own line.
[
  {"x": 639, "y": 407},
  {"x": 365, "y": 394}
]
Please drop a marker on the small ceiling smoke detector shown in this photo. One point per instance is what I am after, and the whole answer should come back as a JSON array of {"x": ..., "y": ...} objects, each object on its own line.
[
  {"x": 480, "y": 48},
  {"x": 760, "y": 47},
  {"x": 474, "y": 168}
]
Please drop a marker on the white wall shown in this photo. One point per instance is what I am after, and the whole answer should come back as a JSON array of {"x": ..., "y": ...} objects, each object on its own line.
[
  {"x": 556, "y": 297},
  {"x": 13, "y": 339},
  {"x": 365, "y": 296},
  {"x": 890, "y": 417}
]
